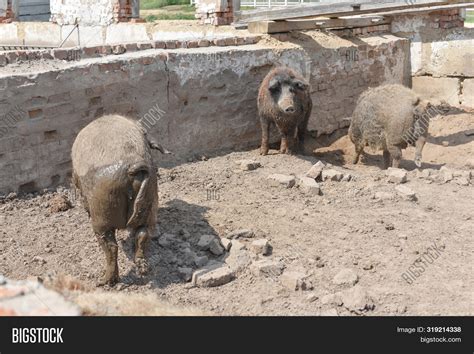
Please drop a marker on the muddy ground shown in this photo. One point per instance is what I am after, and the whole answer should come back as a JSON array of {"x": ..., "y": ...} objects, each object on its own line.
[{"x": 363, "y": 226}]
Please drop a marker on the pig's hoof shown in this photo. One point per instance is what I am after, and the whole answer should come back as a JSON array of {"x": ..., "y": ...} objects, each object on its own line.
[
  {"x": 108, "y": 280},
  {"x": 142, "y": 265},
  {"x": 418, "y": 162},
  {"x": 263, "y": 151}
]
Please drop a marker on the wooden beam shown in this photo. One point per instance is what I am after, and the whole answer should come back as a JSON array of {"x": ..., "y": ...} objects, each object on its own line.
[
  {"x": 298, "y": 25},
  {"x": 347, "y": 8},
  {"x": 425, "y": 9}
]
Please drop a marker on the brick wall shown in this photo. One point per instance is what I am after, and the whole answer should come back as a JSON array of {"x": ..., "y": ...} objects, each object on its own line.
[
  {"x": 91, "y": 12},
  {"x": 6, "y": 11},
  {"x": 215, "y": 12}
]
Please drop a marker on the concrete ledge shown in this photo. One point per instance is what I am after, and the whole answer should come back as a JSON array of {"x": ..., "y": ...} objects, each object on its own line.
[
  {"x": 438, "y": 90},
  {"x": 467, "y": 97}
]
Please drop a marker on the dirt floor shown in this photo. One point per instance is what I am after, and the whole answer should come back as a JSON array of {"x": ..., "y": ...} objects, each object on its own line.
[{"x": 362, "y": 230}]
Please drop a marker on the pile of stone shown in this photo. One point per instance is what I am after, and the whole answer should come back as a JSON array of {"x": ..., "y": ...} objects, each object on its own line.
[
  {"x": 310, "y": 181},
  {"x": 31, "y": 298}
]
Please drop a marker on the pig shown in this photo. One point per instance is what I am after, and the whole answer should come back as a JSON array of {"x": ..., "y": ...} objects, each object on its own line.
[
  {"x": 389, "y": 118},
  {"x": 284, "y": 100},
  {"x": 114, "y": 172}
]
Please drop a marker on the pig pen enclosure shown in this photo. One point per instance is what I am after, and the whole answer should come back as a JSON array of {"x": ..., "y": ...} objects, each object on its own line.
[{"x": 239, "y": 233}]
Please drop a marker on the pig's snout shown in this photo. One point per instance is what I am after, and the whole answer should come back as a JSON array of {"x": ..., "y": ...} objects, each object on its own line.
[
  {"x": 287, "y": 106},
  {"x": 290, "y": 109}
]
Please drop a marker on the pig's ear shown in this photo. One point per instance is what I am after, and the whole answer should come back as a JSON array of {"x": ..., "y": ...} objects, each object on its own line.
[
  {"x": 274, "y": 84},
  {"x": 300, "y": 85}
]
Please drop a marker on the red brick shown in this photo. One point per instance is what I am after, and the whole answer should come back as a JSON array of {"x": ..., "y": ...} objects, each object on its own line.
[
  {"x": 35, "y": 113},
  {"x": 131, "y": 47},
  {"x": 118, "y": 49},
  {"x": 159, "y": 44},
  {"x": 203, "y": 43},
  {"x": 145, "y": 45},
  {"x": 193, "y": 44},
  {"x": 171, "y": 44},
  {"x": 219, "y": 42}
]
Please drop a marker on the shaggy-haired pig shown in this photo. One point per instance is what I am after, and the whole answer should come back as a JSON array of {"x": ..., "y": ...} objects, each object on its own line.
[{"x": 389, "y": 118}]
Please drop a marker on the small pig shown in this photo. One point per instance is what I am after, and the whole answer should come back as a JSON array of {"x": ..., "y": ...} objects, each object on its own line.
[
  {"x": 284, "y": 99},
  {"x": 389, "y": 118},
  {"x": 114, "y": 171}
]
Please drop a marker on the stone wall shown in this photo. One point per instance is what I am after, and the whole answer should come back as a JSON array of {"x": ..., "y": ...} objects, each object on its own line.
[
  {"x": 205, "y": 97},
  {"x": 442, "y": 55}
]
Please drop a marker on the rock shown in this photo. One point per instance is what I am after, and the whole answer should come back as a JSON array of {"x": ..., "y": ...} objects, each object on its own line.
[
  {"x": 384, "y": 195},
  {"x": 213, "y": 275},
  {"x": 445, "y": 143},
  {"x": 11, "y": 196},
  {"x": 237, "y": 246},
  {"x": 309, "y": 185},
  {"x": 332, "y": 175},
  {"x": 446, "y": 174},
  {"x": 330, "y": 312},
  {"x": 267, "y": 267},
  {"x": 466, "y": 174},
  {"x": 357, "y": 300},
  {"x": 346, "y": 277},
  {"x": 185, "y": 273},
  {"x": 347, "y": 177},
  {"x": 277, "y": 179},
  {"x": 238, "y": 259},
  {"x": 39, "y": 260},
  {"x": 21, "y": 298},
  {"x": 312, "y": 297},
  {"x": 368, "y": 266},
  {"x": 205, "y": 242},
  {"x": 426, "y": 173},
  {"x": 295, "y": 281},
  {"x": 248, "y": 165},
  {"x": 396, "y": 175},
  {"x": 406, "y": 192},
  {"x": 216, "y": 248},
  {"x": 226, "y": 243},
  {"x": 242, "y": 233},
  {"x": 261, "y": 246},
  {"x": 315, "y": 171},
  {"x": 200, "y": 261},
  {"x": 462, "y": 181},
  {"x": 469, "y": 132},
  {"x": 59, "y": 203},
  {"x": 332, "y": 299}
]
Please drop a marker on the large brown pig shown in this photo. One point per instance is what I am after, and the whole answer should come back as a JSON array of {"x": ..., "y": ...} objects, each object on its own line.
[{"x": 284, "y": 99}]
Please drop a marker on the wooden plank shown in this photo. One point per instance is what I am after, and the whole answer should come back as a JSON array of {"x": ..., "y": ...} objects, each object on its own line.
[
  {"x": 426, "y": 10},
  {"x": 298, "y": 25},
  {"x": 338, "y": 9}
]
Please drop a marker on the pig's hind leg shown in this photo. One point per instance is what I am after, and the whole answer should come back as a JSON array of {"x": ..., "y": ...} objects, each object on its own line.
[
  {"x": 141, "y": 241},
  {"x": 108, "y": 243}
]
